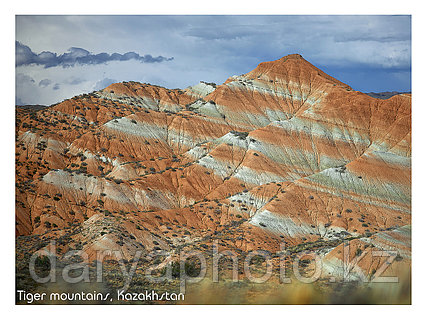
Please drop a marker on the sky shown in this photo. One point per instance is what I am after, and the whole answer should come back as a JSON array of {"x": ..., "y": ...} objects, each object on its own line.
[{"x": 58, "y": 57}]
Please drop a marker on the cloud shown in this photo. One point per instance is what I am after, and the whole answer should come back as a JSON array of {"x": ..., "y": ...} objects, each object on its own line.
[
  {"x": 25, "y": 56},
  {"x": 75, "y": 81},
  {"x": 56, "y": 86},
  {"x": 383, "y": 41},
  {"x": 363, "y": 51},
  {"x": 45, "y": 82},
  {"x": 226, "y": 32},
  {"x": 23, "y": 79},
  {"x": 101, "y": 84},
  {"x": 18, "y": 101}
]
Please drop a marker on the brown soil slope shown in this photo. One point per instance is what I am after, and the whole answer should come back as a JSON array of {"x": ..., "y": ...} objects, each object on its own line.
[{"x": 282, "y": 153}]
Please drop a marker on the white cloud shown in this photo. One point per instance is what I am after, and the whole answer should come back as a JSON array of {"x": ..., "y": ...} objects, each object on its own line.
[
  {"x": 101, "y": 84},
  {"x": 209, "y": 48},
  {"x": 44, "y": 83}
]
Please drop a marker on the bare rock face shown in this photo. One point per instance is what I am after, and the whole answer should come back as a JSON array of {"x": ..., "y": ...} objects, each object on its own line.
[{"x": 282, "y": 153}]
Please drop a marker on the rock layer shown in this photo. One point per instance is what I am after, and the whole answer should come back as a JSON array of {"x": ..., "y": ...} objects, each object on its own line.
[{"x": 282, "y": 153}]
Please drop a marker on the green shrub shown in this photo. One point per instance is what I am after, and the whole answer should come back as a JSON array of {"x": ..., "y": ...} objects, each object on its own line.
[
  {"x": 42, "y": 262},
  {"x": 191, "y": 269}
]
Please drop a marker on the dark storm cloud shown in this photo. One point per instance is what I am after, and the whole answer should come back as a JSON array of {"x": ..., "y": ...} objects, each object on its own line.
[{"x": 25, "y": 56}]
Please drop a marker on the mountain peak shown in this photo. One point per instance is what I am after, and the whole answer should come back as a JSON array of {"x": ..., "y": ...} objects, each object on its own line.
[
  {"x": 291, "y": 56},
  {"x": 295, "y": 68},
  {"x": 281, "y": 154}
]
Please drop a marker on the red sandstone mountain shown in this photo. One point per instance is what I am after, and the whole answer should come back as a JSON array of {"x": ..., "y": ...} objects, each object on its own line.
[{"x": 282, "y": 153}]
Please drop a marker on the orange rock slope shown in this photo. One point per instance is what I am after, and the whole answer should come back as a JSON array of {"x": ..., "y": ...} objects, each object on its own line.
[{"x": 282, "y": 153}]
